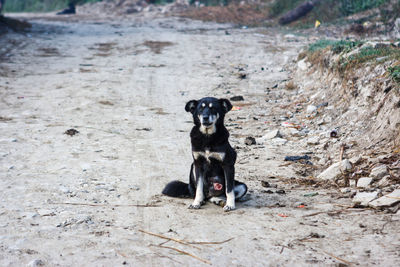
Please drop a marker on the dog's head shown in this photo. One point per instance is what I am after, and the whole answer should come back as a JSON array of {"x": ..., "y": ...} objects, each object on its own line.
[{"x": 208, "y": 113}]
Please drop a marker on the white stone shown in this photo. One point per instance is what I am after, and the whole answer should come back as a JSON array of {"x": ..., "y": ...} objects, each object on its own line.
[
  {"x": 387, "y": 200},
  {"x": 364, "y": 182},
  {"x": 345, "y": 190},
  {"x": 363, "y": 198},
  {"x": 311, "y": 109},
  {"x": 379, "y": 172},
  {"x": 335, "y": 170}
]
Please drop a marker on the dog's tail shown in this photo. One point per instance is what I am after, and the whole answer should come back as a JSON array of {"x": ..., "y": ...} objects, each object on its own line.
[{"x": 176, "y": 189}]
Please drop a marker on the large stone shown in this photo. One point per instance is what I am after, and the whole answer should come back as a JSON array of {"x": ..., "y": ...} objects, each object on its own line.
[
  {"x": 387, "y": 200},
  {"x": 364, "y": 182},
  {"x": 363, "y": 198},
  {"x": 379, "y": 172},
  {"x": 335, "y": 170}
]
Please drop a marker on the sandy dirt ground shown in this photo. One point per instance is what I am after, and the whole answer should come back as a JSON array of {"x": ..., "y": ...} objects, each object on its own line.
[{"x": 83, "y": 200}]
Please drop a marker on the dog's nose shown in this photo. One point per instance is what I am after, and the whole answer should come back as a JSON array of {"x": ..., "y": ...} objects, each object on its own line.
[{"x": 205, "y": 118}]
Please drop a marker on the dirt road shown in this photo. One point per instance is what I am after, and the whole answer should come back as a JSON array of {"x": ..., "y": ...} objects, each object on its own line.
[{"x": 70, "y": 200}]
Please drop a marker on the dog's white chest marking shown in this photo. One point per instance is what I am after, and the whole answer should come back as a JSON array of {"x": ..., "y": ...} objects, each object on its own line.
[{"x": 208, "y": 155}]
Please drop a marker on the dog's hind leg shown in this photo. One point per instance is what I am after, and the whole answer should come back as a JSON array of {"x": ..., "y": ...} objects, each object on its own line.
[{"x": 240, "y": 190}]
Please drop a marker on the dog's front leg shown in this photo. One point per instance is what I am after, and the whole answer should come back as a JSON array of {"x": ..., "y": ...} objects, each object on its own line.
[
  {"x": 199, "y": 197},
  {"x": 229, "y": 172}
]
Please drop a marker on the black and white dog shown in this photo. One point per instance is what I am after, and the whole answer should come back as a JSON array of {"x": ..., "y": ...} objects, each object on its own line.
[{"x": 213, "y": 169}]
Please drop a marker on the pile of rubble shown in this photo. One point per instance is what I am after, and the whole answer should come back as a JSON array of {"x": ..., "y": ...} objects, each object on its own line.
[{"x": 351, "y": 123}]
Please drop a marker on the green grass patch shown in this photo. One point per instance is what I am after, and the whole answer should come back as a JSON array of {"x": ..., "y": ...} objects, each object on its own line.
[
  {"x": 348, "y": 7},
  {"x": 334, "y": 45},
  {"x": 394, "y": 73},
  {"x": 346, "y": 64},
  {"x": 370, "y": 55}
]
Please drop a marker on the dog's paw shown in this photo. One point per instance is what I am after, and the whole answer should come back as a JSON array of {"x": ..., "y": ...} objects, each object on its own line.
[
  {"x": 228, "y": 208},
  {"x": 194, "y": 206}
]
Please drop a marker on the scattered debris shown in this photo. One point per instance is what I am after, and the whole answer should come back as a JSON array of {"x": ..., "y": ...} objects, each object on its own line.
[
  {"x": 313, "y": 194},
  {"x": 250, "y": 141},
  {"x": 297, "y": 158},
  {"x": 143, "y": 129},
  {"x": 71, "y": 132},
  {"x": 237, "y": 98}
]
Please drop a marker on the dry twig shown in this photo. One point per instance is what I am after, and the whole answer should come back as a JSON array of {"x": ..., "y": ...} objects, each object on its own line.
[
  {"x": 339, "y": 259},
  {"x": 187, "y": 253},
  {"x": 168, "y": 238},
  {"x": 212, "y": 243},
  {"x": 106, "y": 205}
]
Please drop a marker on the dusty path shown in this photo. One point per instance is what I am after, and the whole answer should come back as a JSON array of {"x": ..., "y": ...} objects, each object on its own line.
[{"x": 123, "y": 86}]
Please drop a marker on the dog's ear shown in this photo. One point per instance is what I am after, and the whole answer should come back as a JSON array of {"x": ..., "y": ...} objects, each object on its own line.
[
  {"x": 226, "y": 104},
  {"x": 191, "y": 106}
]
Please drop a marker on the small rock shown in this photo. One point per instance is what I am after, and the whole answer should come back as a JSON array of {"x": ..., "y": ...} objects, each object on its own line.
[
  {"x": 335, "y": 170},
  {"x": 35, "y": 263},
  {"x": 345, "y": 190},
  {"x": 363, "y": 198},
  {"x": 364, "y": 182},
  {"x": 311, "y": 109},
  {"x": 237, "y": 98},
  {"x": 250, "y": 141},
  {"x": 272, "y": 134},
  {"x": 71, "y": 132},
  {"x": 280, "y": 191},
  {"x": 379, "y": 172},
  {"x": 387, "y": 200},
  {"x": 265, "y": 184}
]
